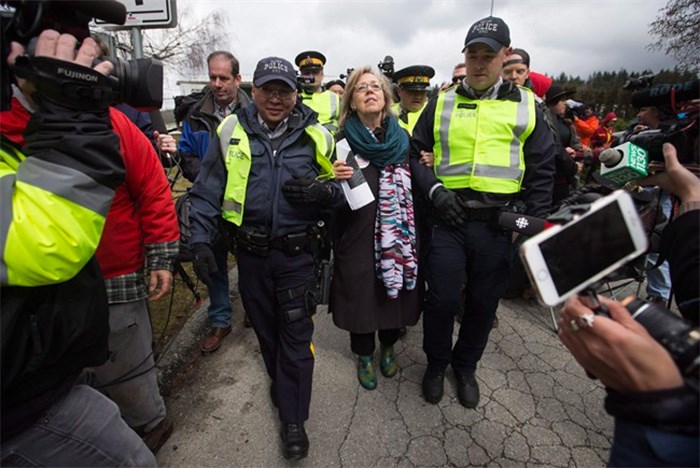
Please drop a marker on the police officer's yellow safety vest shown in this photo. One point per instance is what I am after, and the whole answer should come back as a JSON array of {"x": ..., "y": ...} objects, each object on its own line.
[
  {"x": 49, "y": 229},
  {"x": 327, "y": 105},
  {"x": 479, "y": 143},
  {"x": 235, "y": 149},
  {"x": 410, "y": 117}
]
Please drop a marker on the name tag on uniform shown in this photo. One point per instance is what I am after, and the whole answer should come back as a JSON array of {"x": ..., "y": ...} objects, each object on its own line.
[{"x": 466, "y": 105}]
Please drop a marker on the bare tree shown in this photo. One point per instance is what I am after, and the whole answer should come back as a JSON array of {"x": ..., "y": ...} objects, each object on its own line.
[
  {"x": 185, "y": 47},
  {"x": 677, "y": 28}
]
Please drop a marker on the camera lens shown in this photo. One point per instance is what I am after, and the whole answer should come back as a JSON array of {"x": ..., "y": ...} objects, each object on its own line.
[{"x": 679, "y": 338}]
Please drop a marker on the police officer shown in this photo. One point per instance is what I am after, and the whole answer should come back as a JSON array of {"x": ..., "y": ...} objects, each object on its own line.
[
  {"x": 492, "y": 148},
  {"x": 412, "y": 89},
  {"x": 325, "y": 103},
  {"x": 268, "y": 163}
]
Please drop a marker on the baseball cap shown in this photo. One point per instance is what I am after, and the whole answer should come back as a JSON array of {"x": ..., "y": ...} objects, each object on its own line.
[
  {"x": 491, "y": 31},
  {"x": 275, "y": 69}
]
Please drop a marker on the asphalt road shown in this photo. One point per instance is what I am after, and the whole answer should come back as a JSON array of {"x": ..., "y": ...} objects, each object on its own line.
[{"x": 537, "y": 406}]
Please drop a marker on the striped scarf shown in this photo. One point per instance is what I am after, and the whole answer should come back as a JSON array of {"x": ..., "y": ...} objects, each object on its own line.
[{"x": 395, "y": 231}]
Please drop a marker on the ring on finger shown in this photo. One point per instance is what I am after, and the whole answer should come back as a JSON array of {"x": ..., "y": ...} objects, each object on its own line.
[
  {"x": 573, "y": 325},
  {"x": 586, "y": 320}
]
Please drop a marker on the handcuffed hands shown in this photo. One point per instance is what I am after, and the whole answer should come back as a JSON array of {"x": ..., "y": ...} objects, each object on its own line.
[{"x": 306, "y": 190}]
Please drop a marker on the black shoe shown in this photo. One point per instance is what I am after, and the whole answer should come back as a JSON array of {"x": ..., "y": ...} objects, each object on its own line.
[
  {"x": 467, "y": 390},
  {"x": 295, "y": 441},
  {"x": 273, "y": 395},
  {"x": 433, "y": 386}
]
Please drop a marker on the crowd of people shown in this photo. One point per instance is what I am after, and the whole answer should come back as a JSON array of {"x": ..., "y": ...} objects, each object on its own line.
[{"x": 272, "y": 177}]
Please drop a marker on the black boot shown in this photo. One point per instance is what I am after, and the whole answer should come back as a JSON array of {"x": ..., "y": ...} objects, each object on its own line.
[
  {"x": 433, "y": 386},
  {"x": 467, "y": 390},
  {"x": 295, "y": 442}
]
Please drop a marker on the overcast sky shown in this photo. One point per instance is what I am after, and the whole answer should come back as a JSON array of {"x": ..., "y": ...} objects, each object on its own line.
[{"x": 576, "y": 37}]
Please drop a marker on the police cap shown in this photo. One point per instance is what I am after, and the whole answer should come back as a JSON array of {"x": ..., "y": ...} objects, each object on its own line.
[
  {"x": 310, "y": 59},
  {"x": 415, "y": 77}
]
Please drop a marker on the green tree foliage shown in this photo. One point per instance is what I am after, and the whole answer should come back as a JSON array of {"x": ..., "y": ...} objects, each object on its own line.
[{"x": 677, "y": 28}]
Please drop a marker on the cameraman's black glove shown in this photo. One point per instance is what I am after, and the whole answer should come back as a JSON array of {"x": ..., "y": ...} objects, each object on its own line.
[
  {"x": 447, "y": 205},
  {"x": 307, "y": 190},
  {"x": 204, "y": 262}
]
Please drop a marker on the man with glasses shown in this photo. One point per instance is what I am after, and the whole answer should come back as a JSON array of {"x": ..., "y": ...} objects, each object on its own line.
[
  {"x": 267, "y": 174},
  {"x": 325, "y": 103},
  {"x": 458, "y": 74},
  {"x": 492, "y": 149}
]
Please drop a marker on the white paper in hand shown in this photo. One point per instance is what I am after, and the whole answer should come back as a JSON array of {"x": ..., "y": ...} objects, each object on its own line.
[{"x": 356, "y": 189}]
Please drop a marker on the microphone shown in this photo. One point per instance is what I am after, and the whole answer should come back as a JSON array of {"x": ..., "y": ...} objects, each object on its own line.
[
  {"x": 610, "y": 157},
  {"x": 661, "y": 94},
  {"x": 524, "y": 224},
  {"x": 624, "y": 163},
  {"x": 109, "y": 11}
]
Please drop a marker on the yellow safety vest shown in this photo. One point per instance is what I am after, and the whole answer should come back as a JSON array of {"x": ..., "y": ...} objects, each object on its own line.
[
  {"x": 411, "y": 116},
  {"x": 49, "y": 229},
  {"x": 479, "y": 143},
  {"x": 235, "y": 149},
  {"x": 327, "y": 105}
]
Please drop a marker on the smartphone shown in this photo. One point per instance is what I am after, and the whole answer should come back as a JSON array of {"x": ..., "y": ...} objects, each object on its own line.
[{"x": 563, "y": 260}]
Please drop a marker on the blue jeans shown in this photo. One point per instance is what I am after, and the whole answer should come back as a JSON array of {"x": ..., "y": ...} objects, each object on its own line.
[
  {"x": 659, "y": 279},
  {"x": 638, "y": 445},
  {"x": 482, "y": 250},
  {"x": 82, "y": 429},
  {"x": 219, "y": 302}
]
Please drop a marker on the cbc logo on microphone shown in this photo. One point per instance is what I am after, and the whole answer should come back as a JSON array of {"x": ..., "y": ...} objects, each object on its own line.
[{"x": 522, "y": 223}]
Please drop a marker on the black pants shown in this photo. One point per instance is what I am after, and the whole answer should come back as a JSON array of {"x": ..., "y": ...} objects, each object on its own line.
[
  {"x": 364, "y": 343},
  {"x": 286, "y": 346},
  {"x": 482, "y": 251}
]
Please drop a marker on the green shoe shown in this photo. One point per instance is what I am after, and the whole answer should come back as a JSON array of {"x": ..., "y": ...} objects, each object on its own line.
[
  {"x": 388, "y": 363},
  {"x": 365, "y": 372}
]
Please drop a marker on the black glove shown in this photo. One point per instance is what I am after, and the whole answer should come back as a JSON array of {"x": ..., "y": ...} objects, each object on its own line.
[
  {"x": 204, "y": 262},
  {"x": 307, "y": 190},
  {"x": 447, "y": 205}
]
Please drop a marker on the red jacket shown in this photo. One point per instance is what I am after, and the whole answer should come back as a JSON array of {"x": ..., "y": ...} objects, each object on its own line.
[{"x": 142, "y": 210}]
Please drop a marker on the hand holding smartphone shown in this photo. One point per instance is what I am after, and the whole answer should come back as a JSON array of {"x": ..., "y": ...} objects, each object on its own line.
[{"x": 562, "y": 260}]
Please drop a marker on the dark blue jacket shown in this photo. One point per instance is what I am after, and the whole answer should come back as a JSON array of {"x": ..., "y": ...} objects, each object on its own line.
[
  {"x": 266, "y": 209},
  {"x": 197, "y": 129}
]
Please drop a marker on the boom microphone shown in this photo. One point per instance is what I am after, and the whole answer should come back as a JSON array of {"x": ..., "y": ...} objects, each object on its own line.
[
  {"x": 661, "y": 94},
  {"x": 524, "y": 224}
]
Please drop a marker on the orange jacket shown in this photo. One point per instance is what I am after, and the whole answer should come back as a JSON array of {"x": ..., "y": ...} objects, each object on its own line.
[{"x": 585, "y": 128}]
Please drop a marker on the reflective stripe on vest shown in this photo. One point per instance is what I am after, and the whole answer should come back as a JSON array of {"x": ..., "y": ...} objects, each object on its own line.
[
  {"x": 49, "y": 226},
  {"x": 479, "y": 143},
  {"x": 235, "y": 150},
  {"x": 327, "y": 105}
]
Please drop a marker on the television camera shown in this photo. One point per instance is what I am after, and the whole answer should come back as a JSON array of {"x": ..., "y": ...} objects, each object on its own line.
[
  {"x": 680, "y": 102},
  {"x": 138, "y": 82}
]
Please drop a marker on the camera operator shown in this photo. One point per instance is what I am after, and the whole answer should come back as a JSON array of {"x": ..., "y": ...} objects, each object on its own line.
[
  {"x": 655, "y": 409},
  {"x": 56, "y": 191}
]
